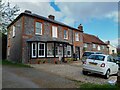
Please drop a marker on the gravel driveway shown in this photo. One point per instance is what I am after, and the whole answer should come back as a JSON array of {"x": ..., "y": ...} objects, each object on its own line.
[{"x": 72, "y": 71}]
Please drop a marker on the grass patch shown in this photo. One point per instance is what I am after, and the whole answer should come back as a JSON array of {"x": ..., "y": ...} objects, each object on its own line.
[
  {"x": 9, "y": 63},
  {"x": 98, "y": 86}
]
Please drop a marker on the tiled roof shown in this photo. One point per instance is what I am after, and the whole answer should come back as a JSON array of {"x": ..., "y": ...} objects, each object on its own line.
[
  {"x": 43, "y": 18},
  {"x": 46, "y": 39},
  {"x": 87, "y": 38}
]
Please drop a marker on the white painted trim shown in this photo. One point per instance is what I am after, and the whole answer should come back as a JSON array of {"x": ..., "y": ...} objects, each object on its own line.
[
  {"x": 35, "y": 50},
  {"x": 39, "y": 48}
]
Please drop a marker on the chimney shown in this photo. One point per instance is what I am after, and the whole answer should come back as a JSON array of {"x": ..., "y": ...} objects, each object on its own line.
[
  {"x": 107, "y": 42},
  {"x": 27, "y": 11},
  {"x": 80, "y": 27},
  {"x": 51, "y": 17}
]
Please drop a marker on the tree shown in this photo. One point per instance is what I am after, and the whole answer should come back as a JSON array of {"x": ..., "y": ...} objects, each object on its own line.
[{"x": 7, "y": 15}]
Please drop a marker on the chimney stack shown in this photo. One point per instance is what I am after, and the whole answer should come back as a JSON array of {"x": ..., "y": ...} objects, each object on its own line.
[
  {"x": 107, "y": 42},
  {"x": 27, "y": 11},
  {"x": 51, "y": 17},
  {"x": 80, "y": 27}
]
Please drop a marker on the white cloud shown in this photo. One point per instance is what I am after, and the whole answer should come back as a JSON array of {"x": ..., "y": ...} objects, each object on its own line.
[{"x": 113, "y": 15}]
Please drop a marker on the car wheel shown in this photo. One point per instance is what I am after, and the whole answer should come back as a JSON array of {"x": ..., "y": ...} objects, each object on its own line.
[
  {"x": 84, "y": 72},
  {"x": 107, "y": 75}
]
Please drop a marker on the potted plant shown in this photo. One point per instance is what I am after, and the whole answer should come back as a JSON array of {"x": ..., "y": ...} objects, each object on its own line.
[{"x": 39, "y": 61}]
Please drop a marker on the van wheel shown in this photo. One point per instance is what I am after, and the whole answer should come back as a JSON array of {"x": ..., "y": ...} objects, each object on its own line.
[
  {"x": 107, "y": 75},
  {"x": 84, "y": 72}
]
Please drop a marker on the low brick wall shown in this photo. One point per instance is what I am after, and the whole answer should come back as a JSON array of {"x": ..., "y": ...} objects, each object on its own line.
[{"x": 44, "y": 60}]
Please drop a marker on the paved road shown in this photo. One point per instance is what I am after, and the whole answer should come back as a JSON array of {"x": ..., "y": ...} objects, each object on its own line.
[{"x": 32, "y": 78}]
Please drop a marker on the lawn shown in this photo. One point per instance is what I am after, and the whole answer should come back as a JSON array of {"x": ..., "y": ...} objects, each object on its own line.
[
  {"x": 9, "y": 63},
  {"x": 99, "y": 86}
]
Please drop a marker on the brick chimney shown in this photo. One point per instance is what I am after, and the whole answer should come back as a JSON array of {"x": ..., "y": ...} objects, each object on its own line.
[
  {"x": 80, "y": 27},
  {"x": 27, "y": 11},
  {"x": 51, "y": 17},
  {"x": 107, "y": 42}
]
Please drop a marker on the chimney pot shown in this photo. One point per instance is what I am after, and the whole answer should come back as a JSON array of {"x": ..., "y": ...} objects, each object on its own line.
[{"x": 51, "y": 17}]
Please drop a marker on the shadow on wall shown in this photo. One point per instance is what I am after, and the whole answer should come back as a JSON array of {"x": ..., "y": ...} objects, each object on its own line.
[{"x": 3, "y": 39}]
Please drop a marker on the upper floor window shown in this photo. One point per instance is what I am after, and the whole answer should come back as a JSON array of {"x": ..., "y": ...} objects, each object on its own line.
[
  {"x": 13, "y": 31},
  {"x": 94, "y": 46},
  {"x": 65, "y": 34},
  {"x": 54, "y": 32},
  {"x": 103, "y": 47},
  {"x": 98, "y": 47},
  {"x": 85, "y": 45},
  {"x": 38, "y": 28},
  {"x": 76, "y": 36}
]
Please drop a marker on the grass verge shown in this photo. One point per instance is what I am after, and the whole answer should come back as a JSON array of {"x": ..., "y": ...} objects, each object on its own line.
[
  {"x": 9, "y": 63},
  {"x": 98, "y": 86}
]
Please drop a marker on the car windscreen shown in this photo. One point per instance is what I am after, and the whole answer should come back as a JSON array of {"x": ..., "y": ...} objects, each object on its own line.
[
  {"x": 97, "y": 57},
  {"x": 87, "y": 53}
]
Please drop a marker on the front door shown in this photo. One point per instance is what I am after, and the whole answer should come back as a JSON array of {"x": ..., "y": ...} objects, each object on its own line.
[{"x": 77, "y": 52}]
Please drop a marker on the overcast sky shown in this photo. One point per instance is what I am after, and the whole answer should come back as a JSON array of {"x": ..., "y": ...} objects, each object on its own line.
[{"x": 97, "y": 18}]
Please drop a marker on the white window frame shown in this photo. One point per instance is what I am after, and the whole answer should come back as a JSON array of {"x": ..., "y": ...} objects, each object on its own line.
[
  {"x": 54, "y": 31},
  {"x": 69, "y": 49},
  {"x": 76, "y": 36},
  {"x": 38, "y": 28},
  {"x": 98, "y": 47},
  {"x": 51, "y": 50},
  {"x": 66, "y": 34},
  {"x": 94, "y": 45},
  {"x": 85, "y": 45},
  {"x": 13, "y": 34},
  {"x": 40, "y": 49},
  {"x": 35, "y": 50}
]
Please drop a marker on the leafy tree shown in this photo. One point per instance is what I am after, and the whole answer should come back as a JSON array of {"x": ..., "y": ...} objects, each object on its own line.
[{"x": 7, "y": 15}]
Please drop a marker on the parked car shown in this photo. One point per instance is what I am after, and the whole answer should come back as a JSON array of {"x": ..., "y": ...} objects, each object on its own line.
[
  {"x": 100, "y": 64},
  {"x": 87, "y": 54},
  {"x": 118, "y": 60}
]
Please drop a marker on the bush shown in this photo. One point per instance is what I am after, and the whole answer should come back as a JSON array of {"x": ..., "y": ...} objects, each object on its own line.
[
  {"x": 99, "y": 86},
  {"x": 69, "y": 60}
]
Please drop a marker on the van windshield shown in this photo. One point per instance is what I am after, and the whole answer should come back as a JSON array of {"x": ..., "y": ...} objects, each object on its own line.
[{"x": 97, "y": 57}]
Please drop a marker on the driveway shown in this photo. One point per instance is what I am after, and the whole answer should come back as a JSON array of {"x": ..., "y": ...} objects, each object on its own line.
[
  {"x": 72, "y": 71},
  {"x": 14, "y": 77}
]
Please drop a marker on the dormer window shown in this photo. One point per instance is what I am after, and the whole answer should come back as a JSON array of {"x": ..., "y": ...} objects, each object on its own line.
[{"x": 38, "y": 28}]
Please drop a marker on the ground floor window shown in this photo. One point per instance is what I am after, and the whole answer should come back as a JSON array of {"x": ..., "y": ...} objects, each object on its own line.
[
  {"x": 50, "y": 49},
  {"x": 34, "y": 49},
  {"x": 38, "y": 50},
  {"x": 41, "y": 49},
  {"x": 67, "y": 51}
]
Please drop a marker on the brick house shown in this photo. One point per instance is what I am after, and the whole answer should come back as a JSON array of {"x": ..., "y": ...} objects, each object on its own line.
[
  {"x": 93, "y": 43},
  {"x": 32, "y": 37}
]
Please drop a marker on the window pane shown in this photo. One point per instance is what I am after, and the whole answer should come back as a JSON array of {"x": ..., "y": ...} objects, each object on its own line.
[
  {"x": 76, "y": 36},
  {"x": 50, "y": 49},
  {"x": 41, "y": 50},
  {"x": 65, "y": 34},
  {"x": 54, "y": 31},
  {"x": 34, "y": 49},
  {"x": 38, "y": 28}
]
